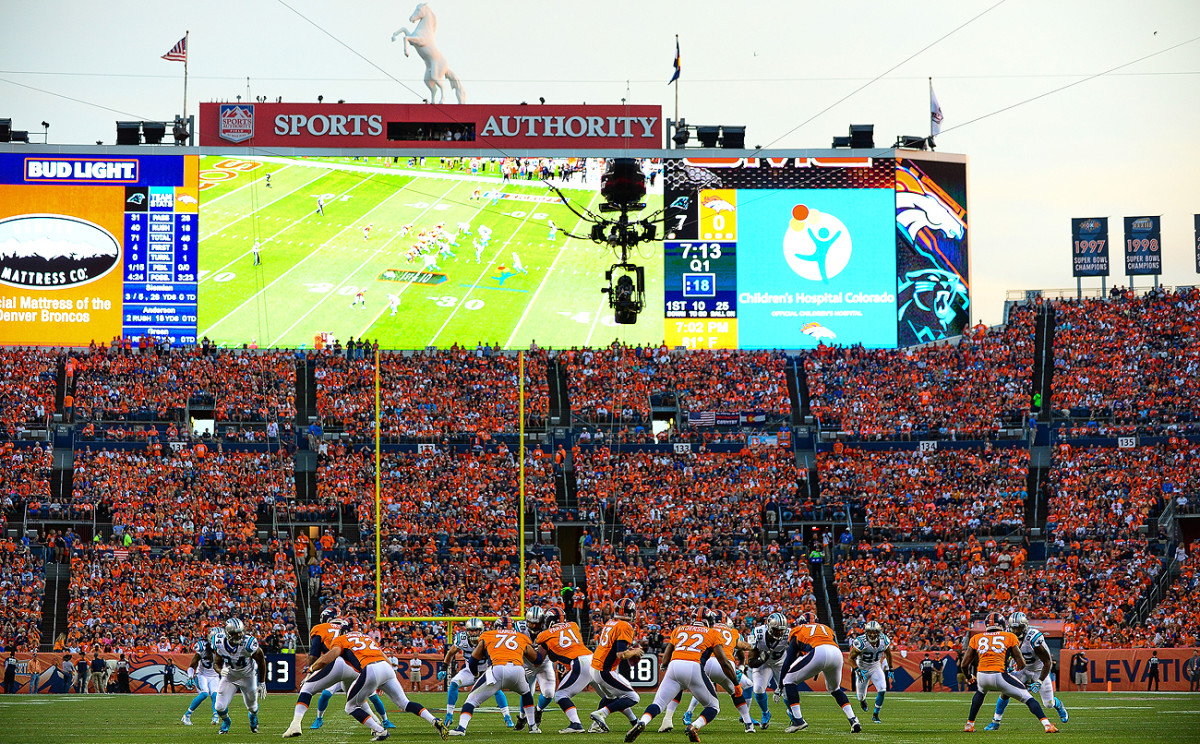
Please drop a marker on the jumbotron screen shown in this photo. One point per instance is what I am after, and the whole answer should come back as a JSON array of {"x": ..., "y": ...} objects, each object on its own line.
[
  {"x": 793, "y": 252},
  {"x": 410, "y": 251}
]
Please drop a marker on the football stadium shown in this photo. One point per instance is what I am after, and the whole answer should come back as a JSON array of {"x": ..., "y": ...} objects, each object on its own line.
[{"x": 407, "y": 417}]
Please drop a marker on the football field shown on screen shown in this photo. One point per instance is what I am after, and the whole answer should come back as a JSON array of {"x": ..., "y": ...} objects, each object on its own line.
[{"x": 352, "y": 248}]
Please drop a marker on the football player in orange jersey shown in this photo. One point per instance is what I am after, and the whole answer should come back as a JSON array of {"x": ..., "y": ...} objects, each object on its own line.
[
  {"x": 615, "y": 649},
  {"x": 992, "y": 650},
  {"x": 508, "y": 650},
  {"x": 374, "y": 673},
  {"x": 731, "y": 639},
  {"x": 544, "y": 676},
  {"x": 688, "y": 648},
  {"x": 336, "y": 677},
  {"x": 813, "y": 650},
  {"x": 563, "y": 643}
]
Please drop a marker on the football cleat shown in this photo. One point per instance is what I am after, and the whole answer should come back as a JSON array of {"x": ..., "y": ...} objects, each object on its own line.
[
  {"x": 292, "y": 732},
  {"x": 460, "y": 731},
  {"x": 750, "y": 728},
  {"x": 687, "y": 718},
  {"x": 317, "y": 723},
  {"x": 253, "y": 722},
  {"x": 855, "y": 726},
  {"x": 635, "y": 732},
  {"x": 574, "y": 728},
  {"x": 862, "y": 703},
  {"x": 534, "y": 729},
  {"x": 693, "y": 734},
  {"x": 1061, "y": 709},
  {"x": 993, "y": 726},
  {"x": 520, "y": 724},
  {"x": 387, "y": 724},
  {"x": 598, "y": 725},
  {"x": 1051, "y": 729},
  {"x": 798, "y": 725},
  {"x": 537, "y": 716},
  {"x": 508, "y": 721},
  {"x": 666, "y": 727},
  {"x": 441, "y": 729},
  {"x": 449, "y": 719},
  {"x": 225, "y": 722},
  {"x": 766, "y": 718},
  {"x": 187, "y": 719},
  {"x": 381, "y": 735},
  {"x": 969, "y": 728},
  {"x": 875, "y": 719}
]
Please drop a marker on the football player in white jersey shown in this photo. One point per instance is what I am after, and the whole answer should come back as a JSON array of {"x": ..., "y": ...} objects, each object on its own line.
[
  {"x": 1036, "y": 674},
  {"x": 203, "y": 676},
  {"x": 867, "y": 653},
  {"x": 243, "y": 668},
  {"x": 770, "y": 644},
  {"x": 464, "y": 643}
]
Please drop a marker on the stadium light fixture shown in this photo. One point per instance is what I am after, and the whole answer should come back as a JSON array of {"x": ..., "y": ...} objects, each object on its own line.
[
  {"x": 129, "y": 133},
  {"x": 708, "y": 135},
  {"x": 154, "y": 132},
  {"x": 862, "y": 136},
  {"x": 5, "y": 130},
  {"x": 733, "y": 138}
]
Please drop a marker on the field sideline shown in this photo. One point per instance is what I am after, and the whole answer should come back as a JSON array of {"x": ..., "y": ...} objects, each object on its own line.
[
  {"x": 908, "y": 718},
  {"x": 313, "y": 264}
]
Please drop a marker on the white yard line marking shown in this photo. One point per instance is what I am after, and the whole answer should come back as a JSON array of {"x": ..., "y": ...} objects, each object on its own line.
[
  {"x": 296, "y": 265},
  {"x": 210, "y": 202},
  {"x": 549, "y": 271},
  {"x": 289, "y": 226}
]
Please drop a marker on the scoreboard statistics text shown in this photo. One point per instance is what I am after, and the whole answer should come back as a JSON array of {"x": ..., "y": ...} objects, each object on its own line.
[{"x": 94, "y": 247}]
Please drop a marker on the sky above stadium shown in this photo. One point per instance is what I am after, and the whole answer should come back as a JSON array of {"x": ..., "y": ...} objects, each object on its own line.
[{"x": 1122, "y": 144}]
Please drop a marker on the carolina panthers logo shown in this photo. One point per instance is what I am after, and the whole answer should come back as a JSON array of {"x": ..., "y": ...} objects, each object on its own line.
[{"x": 932, "y": 303}]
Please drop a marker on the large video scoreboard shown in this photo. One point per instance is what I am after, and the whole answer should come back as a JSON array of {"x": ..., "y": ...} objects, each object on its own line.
[
  {"x": 97, "y": 246},
  {"x": 791, "y": 252}
]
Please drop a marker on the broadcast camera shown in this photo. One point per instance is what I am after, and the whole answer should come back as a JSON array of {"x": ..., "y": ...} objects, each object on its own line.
[{"x": 623, "y": 187}]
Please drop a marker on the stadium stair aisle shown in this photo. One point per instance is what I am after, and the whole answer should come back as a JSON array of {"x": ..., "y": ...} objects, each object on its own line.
[
  {"x": 1037, "y": 499},
  {"x": 797, "y": 385},
  {"x": 823, "y": 588},
  {"x": 54, "y": 602},
  {"x": 835, "y": 603},
  {"x": 1043, "y": 362},
  {"x": 559, "y": 413},
  {"x": 306, "y": 394}
]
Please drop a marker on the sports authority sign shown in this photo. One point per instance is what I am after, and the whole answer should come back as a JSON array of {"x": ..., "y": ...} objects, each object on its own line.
[{"x": 424, "y": 126}]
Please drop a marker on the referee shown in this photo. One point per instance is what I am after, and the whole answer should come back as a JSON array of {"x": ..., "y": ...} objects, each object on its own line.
[{"x": 927, "y": 674}]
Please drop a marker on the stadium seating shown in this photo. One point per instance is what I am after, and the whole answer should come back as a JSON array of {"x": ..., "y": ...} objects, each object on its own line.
[
  {"x": 967, "y": 390},
  {"x": 26, "y": 388},
  {"x": 1131, "y": 358},
  {"x": 430, "y": 394},
  {"x": 939, "y": 495},
  {"x": 22, "y": 584},
  {"x": 25, "y": 484}
]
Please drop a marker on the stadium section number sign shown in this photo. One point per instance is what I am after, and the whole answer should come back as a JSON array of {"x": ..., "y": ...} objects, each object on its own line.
[
  {"x": 645, "y": 672},
  {"x": 281, "y": 672},
  {"x": 97, "y": 247}
]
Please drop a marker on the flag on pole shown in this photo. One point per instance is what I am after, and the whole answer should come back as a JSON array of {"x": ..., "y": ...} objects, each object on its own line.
[
  {"x": 935, "y": 114},
  {"x": 675, "y": 75},
  {"x": 178, "y": 52}
]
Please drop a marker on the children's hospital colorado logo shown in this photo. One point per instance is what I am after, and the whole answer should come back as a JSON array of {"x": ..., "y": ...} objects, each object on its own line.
[{"x": 817, "y": 244}]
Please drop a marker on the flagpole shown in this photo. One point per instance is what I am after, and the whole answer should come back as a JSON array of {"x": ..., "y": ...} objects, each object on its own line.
[
  {"x": 931, "y": 115},
  {"x": 185, "y": 74},
  {"x": 676, "y": 87}
]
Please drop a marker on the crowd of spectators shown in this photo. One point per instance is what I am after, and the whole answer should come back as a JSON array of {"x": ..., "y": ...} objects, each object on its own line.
[
  {"x": 928, "y": 495},
  {"x": 1134, "y": 359},
  {"x": 27, "y": 382},
  {"x": 22, "y": 585},
  {"x": 25, "y": 482},
  {"x": 676, "y": 497},
  {"x": 966, "y": 390},
  {"x": 206, "y": 500},
  {"x": 431, "y": 394},
  {"x": 112, "y": 383},
  {"x": 147, "y": 598},
  {"x": 1103, "y": 493},
  {"x": 618, "y": 384}
]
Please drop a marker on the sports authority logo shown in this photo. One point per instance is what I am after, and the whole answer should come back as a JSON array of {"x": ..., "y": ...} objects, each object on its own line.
[
  {"x": 80, "y": 170},
  {"x": 50, "y": 251},
  {"x": 235, "y": 122},
  {"x": 817, "y": 245}
]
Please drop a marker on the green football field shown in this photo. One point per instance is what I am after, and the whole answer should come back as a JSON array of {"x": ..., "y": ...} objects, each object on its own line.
[
  {"x": 313, "y": 265},
  {"x": 907, "y": 718}
]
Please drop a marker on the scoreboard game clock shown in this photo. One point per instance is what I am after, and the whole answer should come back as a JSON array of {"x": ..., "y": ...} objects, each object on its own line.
[{"x": 700, "y": 273}]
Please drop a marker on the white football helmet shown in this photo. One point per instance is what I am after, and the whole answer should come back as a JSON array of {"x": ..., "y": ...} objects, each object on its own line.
[
  {"x": 474, "y": 628},
  {"x": 777, "y": 624},
  {"x": 535, "y": 618},
  {"x": 873, "y": 631},
  {"x": 235, "y": 630},
  {"x": 1018, "y": 623}
]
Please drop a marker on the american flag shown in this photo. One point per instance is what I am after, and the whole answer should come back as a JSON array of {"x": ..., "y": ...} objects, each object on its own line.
[
  {"x": 121, "y": 554},
  {"x": 702, "y": 418},
  {"x": 178, "y": 52}
]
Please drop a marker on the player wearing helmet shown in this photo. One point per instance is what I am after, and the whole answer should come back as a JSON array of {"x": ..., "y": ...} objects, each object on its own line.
[
  {"x": 1036, "y": 674},
  {"x": 563, "y": 643},
  {"x": 867, "y": 653},
  {"x": 334, "y": 677},
  {"x": 992, "y": 649},
  {"x": 507, "y": 650},
  {"x": 464, "y": 643},
  {"x": 813, "y": 650},
  {"x": 735, "y": 647},
  {"x": 543, "y": 676},
  {"x": 615, "y": 649},
  {"x": 769, "y": 643},
  {"x": 239, "y": 661}
]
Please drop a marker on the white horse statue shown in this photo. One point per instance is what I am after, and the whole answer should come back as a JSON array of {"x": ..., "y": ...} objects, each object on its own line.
[{"x": 437, "y": 71}]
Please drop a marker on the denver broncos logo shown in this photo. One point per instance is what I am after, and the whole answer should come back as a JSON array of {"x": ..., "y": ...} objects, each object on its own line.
[{"x": 919, "y": 207}]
